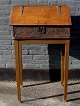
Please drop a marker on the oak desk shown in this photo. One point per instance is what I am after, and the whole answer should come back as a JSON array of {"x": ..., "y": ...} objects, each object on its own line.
[{"x": 41, "y": 25}]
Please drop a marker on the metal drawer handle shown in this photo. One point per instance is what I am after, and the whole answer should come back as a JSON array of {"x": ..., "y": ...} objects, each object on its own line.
[{"x": 41, "y": 30}]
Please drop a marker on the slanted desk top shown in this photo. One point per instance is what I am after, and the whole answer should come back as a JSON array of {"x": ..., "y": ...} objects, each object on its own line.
[
  {"x": 40, "y": 15},
  {"x": 41, "y": 25}
]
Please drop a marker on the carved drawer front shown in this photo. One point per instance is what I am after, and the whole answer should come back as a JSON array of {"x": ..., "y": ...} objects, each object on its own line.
[{"x": 41, "y": 32}]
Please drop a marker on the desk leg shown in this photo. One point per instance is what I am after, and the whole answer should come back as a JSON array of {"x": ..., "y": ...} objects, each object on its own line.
[
  {"x": 66, "y": 69},
  {"x": 20, "y": 62},
  {"x": 16, "y": 46},
  {"x": 62, "y": 64}
]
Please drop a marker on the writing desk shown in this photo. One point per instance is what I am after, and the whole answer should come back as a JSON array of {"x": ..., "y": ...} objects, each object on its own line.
[{"x": 41, "y": 25}]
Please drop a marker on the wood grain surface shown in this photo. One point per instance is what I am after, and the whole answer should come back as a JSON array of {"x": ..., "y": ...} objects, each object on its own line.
[{"x": 40, "y": 15}]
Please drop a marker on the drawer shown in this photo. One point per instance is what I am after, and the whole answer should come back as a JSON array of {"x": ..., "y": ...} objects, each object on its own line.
[{"x": 41, "y": 32}]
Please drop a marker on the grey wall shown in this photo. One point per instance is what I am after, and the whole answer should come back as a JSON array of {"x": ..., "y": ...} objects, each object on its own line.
[{"x": 34, "y": 56}]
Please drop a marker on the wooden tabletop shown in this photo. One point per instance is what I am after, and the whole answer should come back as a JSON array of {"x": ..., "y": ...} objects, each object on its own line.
[{"x": 40, "y": 15}]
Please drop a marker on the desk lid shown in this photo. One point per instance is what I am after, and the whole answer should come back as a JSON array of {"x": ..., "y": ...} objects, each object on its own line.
[{"x": 40, "y": 15}]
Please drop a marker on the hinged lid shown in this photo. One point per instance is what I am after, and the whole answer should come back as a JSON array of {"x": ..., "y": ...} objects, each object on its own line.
[{"x": 40, "y": 15}]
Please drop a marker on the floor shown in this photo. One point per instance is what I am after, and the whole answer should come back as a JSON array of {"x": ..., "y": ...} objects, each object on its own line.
[{"x": 38, "y": 89}]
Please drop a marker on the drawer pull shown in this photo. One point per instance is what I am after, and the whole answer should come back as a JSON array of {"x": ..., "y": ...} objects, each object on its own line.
[{"x": 41, "y": 30}]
